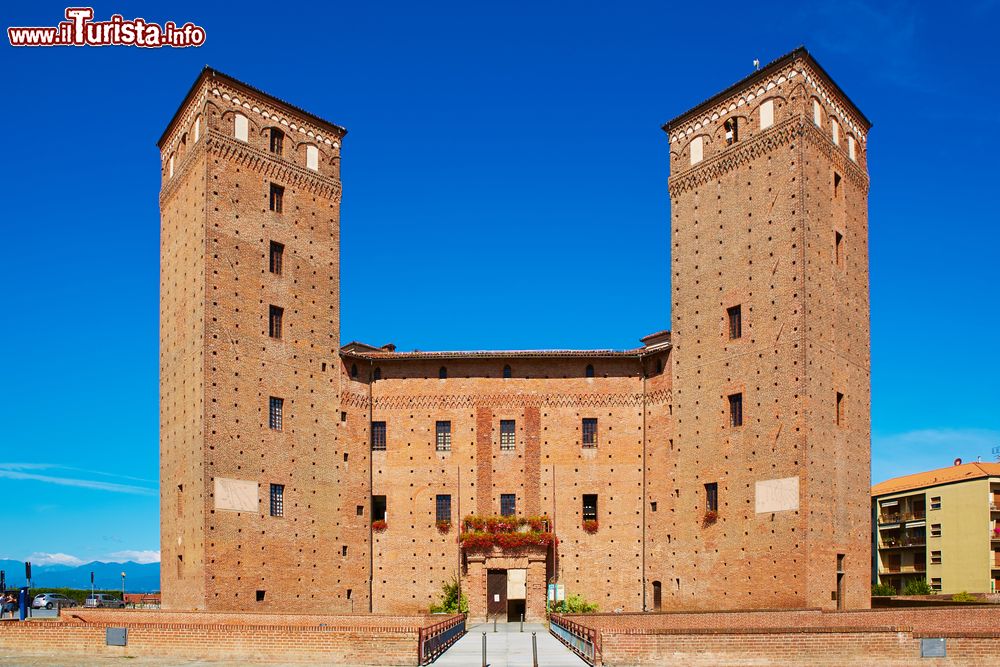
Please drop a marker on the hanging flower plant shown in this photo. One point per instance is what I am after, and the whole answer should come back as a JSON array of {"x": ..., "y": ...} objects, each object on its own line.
[
  {"x": 379, "y": 526},
  {"x": 590, "y": 526},
  {"x": 711, "y": 516},
  {"x": 443, "y": 526}
]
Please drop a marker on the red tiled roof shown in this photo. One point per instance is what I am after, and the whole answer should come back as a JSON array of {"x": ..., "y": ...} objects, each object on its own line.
[{"x": 922, "y": 480}]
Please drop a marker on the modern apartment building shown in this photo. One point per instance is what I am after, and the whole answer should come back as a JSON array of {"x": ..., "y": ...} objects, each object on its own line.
[
  {"x": 724, "y": 463},
  {"x": 942, "y": 525}
]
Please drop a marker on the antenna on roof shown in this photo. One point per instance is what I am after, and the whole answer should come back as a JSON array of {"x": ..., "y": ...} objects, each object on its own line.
[{"x": 756, "y": 64}]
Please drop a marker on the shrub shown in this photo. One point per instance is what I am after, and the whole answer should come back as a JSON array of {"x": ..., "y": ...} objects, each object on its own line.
[
  {"x": 590, "y": 526},
  {"x": 573, "y": 604},
  {"x": 883, "y": 589},
  {"x": 450, "y": 602},
  {"x": 964, "y": 596},
  {"x": 917, "y": 587}
]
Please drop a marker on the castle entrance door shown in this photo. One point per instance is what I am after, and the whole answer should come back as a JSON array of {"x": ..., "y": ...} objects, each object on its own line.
[{"x": 496, "y": 593}]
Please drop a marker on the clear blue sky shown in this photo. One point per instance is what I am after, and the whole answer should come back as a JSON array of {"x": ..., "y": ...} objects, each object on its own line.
[{"x": 505, "y": 187}]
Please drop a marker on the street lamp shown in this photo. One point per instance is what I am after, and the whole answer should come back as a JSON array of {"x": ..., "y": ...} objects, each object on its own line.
[{"x": 123, "y": 586}]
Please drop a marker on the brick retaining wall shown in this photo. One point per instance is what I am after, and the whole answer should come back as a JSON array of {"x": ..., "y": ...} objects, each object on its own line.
[
  {"x": 802, "y": 637},
  {"x": 354, "y": 640}
]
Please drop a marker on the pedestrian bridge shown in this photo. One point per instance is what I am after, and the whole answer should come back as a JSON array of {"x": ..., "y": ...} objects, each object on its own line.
[{"x": 508, "y": 646}]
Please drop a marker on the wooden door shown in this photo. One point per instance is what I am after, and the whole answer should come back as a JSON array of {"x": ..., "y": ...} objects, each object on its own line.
[{"x": 496, "y": 592}]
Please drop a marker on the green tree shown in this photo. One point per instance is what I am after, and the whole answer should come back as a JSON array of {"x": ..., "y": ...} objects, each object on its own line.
[
  {"x": 573, "y": 604},
  {"x": 450, "y": 602},
  {"x": 917, "y": 587},
  {"x": 883, "y": 589}
]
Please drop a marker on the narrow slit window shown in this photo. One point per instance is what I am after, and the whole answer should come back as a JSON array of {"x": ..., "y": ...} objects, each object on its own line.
[
  {"x": 840, "y": 409},
  {"x": 276, "y": 413},
  {"x": 277, "y": 140},
  {"x": 589, "y": 432},
  {"x": 507, "y": 435},
  {"x": 712, "y": 497},
  {"x": 276, "y": 255},
  {"x": 277, "y": 197},
  {"x": 732, "y": 131},
  {"x": 442, "y": 373},
  {"x": 590, "y": 507},
  {"x": 443, "y": 430},
  {"x": 736, "y": 410},
  {"x": 838, "y": 249},
  {"x": 378, "y": 436},
  {"x": 735, "y": 322},
  {"x": 274, "y": 317},
  {"x": 378, "y": 508},
  {"x": 836, "y": 184}
]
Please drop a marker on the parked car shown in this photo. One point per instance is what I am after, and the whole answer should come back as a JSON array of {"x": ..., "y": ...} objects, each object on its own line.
[
  {"x": 51, "y": 600},
  {"x": 102, "y": 600}
]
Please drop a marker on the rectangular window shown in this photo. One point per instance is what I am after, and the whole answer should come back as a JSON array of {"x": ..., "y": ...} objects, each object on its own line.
[
  {"x": 935, "y": 583},
  {"x": 838, "y": 249},
  {"x": 840, "y": 409},
  {"x": 736, "y": 410},
  {"x": 835, "y": 131},
  {"x": 712, "y": 497},
  {"x": 851, "y": 150},
  {"x": 274, "y": 321},
  {"x": 275, "y": 416},
  {"x": 277, "y": 251},
  {"x": 277, "y": 140},
  {"x": 590, "y": 432},
  {"x": 508, "y": 504},
  {"x": 735, "y": 322},
  {"x": 935, "y": 530},
  {"x": 443, "y": 430},
  {"x": 312, "y": 158},
  {"x": 817, "y": 114},
  {"x": 590, "y": 507},
  {"x": 443, "y": 507},
  {"x": 277, "y": 500},
  {"x": 378, "y": 436},
  {"x": 935, "y": 502},
  {"x": 277, "y": 195},
  {"x": 767, "y": 114},
  {"x": 507, "y": 434},
  {"x": 378, "y": 508},
  {"x": 935, "y": 557}
]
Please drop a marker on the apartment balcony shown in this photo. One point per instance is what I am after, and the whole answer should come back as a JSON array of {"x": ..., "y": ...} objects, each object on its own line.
[
  {"x": 904, "y": 543},
  {"x": 902, "y": 517},
  {"x": 995, "y": 535},
  {"x": 919, "y": 568}
]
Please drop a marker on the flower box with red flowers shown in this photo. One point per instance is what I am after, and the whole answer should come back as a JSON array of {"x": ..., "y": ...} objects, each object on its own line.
[{"x": 379, "y": 526}]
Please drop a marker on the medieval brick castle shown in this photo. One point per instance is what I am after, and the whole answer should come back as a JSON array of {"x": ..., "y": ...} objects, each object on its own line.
[{"x": 723, "y": 464}]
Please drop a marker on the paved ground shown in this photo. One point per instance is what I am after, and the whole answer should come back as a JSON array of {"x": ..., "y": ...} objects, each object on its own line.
[{"x": 508, "y": 648}]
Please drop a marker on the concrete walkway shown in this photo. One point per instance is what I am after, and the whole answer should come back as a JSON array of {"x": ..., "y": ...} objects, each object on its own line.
[{"x": 508, "y": 648}]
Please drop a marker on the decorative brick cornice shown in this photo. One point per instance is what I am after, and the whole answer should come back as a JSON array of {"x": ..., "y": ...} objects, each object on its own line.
[
  {"x": 744, "y": 152},
  {"x": 735, "y": 156},
  {"x": 196, "y": 152},
  {"x": 510, "y": 401},
  {"x": 287, "y": 173},
  {"x": 273, "y": 115}
]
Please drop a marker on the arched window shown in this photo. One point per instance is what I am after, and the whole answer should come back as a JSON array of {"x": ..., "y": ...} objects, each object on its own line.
[
  {"x": 590, "y": 370},
  {"x": 354, "y": 371},
  {"x": 377, "y": 374},
  {"x": 443, "y": 373},
  {"x": 241, "y": 127},
  {"x": 506, "y": 371},
  {"x": 657, "y": 596},
  {"x": 732, "y": 132}
]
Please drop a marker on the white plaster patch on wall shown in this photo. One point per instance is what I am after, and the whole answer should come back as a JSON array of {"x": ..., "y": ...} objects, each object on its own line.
[
  {"x": 767, "y": 114},
  {"x": 242, "y": 127},
  {"x": 777, "y": 495},
  {"x": 312, "y": 158},
  {"x": 236, "y": 495},
  {"x": 697, "y": 150},
  {"x": 517, "y": 584}
]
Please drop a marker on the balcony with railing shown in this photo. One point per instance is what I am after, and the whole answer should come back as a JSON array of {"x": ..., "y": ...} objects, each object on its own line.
[
  {"x": 913, "y": 568},
  {"x": 901, "y": 517},
  {"x": 904, "y": 542}
]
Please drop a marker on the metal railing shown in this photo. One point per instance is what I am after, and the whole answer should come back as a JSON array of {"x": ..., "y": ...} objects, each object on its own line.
[
  {"x": 897, "y": 517},
  {"x": 435, "y": 639},
  {"x": 581, "y": 640}
]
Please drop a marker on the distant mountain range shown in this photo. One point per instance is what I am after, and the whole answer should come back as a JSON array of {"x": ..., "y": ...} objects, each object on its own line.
[{"x": 139, "y": 578}]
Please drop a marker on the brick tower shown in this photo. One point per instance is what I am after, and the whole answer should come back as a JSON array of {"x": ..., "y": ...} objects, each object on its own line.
[
  {"x": 251, "y": 462},
  {"x": 771, "y": 360}
]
